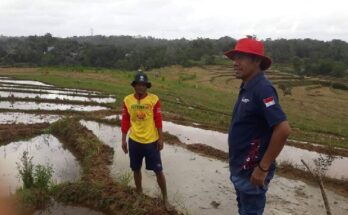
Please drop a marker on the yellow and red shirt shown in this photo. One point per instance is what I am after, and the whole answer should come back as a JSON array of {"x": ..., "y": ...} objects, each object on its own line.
[{"x": 142, "y": 117}]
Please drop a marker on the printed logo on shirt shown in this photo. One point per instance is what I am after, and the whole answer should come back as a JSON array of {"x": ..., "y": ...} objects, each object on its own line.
[
  {"x": 245, "y": 100},
  {"x": 269, "y": 101},
  {"x": 141, "y": 107},
  {"x": 140, "y": 115}
]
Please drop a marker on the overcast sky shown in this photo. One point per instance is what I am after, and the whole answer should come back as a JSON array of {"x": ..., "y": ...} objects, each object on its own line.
[{"x": 317, "y": 19}]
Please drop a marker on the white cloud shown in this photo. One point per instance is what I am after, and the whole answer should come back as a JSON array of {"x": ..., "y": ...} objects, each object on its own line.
[{"x": 177, "y": 18}]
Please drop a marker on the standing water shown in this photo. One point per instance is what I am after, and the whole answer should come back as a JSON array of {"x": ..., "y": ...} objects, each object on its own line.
[
  {"x": 45, "y": 150},
  {"x": 199, "y": 185},
  {"x": 218, "y": 140}
]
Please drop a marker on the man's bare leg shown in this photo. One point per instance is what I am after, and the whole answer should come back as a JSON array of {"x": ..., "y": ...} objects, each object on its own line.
[
  {"x": 161, "y": 180},
  {"x": 137, "y": 181}
]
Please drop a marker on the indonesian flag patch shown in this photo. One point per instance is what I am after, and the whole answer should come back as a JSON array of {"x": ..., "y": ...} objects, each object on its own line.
[{"x": 269, "y": 101}]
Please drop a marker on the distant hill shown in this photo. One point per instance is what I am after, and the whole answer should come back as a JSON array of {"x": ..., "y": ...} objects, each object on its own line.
[{"x": 304, "y": 56}]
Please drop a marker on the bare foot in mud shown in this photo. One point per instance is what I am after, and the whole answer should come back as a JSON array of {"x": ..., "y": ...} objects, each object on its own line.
[{"x": 168, "y": 206}]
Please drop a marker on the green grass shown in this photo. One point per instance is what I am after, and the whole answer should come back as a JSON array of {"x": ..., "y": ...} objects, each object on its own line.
[{"x": 37, "y": 183}]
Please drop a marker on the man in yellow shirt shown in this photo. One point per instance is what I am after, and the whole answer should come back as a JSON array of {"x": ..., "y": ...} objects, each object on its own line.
[{"x": 141, "y": 116}]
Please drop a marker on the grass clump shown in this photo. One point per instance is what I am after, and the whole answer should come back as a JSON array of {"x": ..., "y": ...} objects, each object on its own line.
[{"x": 37, "y": 182}]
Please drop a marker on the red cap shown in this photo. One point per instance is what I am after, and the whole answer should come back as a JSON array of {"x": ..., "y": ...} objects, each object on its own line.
[{"x": 251, "y": 46}]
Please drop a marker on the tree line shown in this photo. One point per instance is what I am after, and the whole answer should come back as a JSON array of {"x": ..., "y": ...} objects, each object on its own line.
[{"x": 305, "y": 56}]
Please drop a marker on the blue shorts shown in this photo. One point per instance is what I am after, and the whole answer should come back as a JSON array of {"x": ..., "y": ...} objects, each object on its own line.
[{"x": 137, "y": 151}]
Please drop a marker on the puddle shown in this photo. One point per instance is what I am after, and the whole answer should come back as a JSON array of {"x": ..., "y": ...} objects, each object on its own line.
[
  {"x": 48, "y": 106},
  {"x": 24, "y": 82},
  {"x": 218, "y": 140},
  {"x": 45, "y": 149},
  {"x": 60, "y": 209},
  {"x": 25, "y": 118},
  {"x": 194, "y": 182},
  {"x": 54, "y": 96}
]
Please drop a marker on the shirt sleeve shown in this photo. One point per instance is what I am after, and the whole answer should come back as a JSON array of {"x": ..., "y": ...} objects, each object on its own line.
[
  {"x": 270, "y": 107},
  {"x": 157, "y": 114},
  {"x": 125, "y": 123}
]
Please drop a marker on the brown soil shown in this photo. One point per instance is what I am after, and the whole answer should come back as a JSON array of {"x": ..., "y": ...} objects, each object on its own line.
[
  {"x": 10, "y": 206},
  {"x": 208, "y": 151},
  {"x": 110, "y": 199},
  {"x": 14, "y": 132}
]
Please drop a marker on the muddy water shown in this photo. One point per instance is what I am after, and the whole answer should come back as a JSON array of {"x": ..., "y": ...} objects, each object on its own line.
[
  {"x": 194, "y": 182},
  {"x": 48, "y": 106},
  {"x": 55, "y": 96},
  {"x": 59, "y": 209},
  {"x": 25, "y": 118},
  {"x": 290, "y": 154},
  {"x": 45, "y": 149},
  {"x": 24, "y": 82}
]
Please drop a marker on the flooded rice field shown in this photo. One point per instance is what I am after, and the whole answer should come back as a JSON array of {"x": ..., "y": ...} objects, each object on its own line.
[
  {"x": 45, "y": 150},
  {"x": 54, "y": 96},
  {"x": 196, "y": 184},
  {"x": 7, "y": 80},
  {"x": 26, "y": 118},
  {"x": 290, "y": 154},
  {"x": 14, "y": 90},
  {"x": 43, "y": 89},
  {"x": 200, "y": 185},
  {"x": 48, "y": 106}
]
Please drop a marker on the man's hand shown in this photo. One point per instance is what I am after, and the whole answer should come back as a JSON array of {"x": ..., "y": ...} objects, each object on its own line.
[
  {"x": 258, "y": 177},
  {"x": 160, "y": 144},
  {"x": 124, "y": 146}
]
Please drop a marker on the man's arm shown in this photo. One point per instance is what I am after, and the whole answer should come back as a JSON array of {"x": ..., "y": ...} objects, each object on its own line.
[
  {"x": 280, "y": 133},
  {"x": 158, "y": 122},
  {"x": 125, "y": 125}
]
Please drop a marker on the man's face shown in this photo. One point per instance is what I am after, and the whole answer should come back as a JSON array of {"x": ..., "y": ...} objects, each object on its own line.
[
  {"x": 140, "y": 88},
  {"x": 245, "y": 65}
]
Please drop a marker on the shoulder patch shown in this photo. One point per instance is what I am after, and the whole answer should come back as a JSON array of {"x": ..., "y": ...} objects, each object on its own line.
[{"x": 269, "y": 101}]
